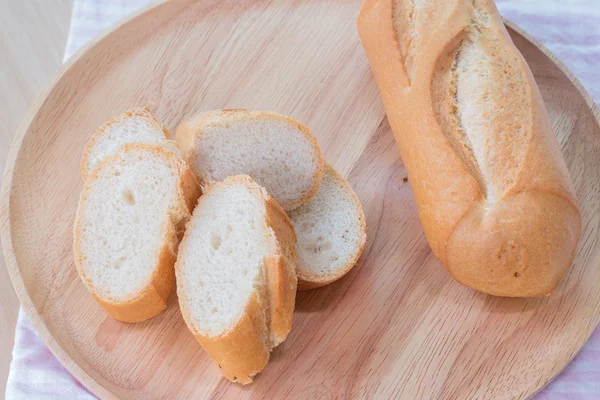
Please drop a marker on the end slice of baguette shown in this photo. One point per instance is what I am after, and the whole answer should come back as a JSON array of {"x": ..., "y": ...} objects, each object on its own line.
[
  {"x": 133, "y": 126},
  {"x": 278, "y": 152},
  {"x": 131, "y": 216},
  {"x": 331, "y": 232},
  {"x": 236, "y": 278}
]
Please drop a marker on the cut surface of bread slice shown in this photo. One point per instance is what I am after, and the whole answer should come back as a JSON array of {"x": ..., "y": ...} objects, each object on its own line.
[
  {"x": 278, "y": 152},
  {"x": 131, "y": 216},
  {"x": 331, "y": 232},
  {"x": 236, "y": 278},
  {"x": 134, "y": 126}
]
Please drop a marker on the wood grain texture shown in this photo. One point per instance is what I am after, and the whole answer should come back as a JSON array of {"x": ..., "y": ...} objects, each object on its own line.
[
  {"x": 33, "y": 36},
  {"x": 397, "y": 326}
]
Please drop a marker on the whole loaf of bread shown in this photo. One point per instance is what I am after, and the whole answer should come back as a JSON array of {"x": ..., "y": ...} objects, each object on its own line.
[{"x": 493, "y": 192}]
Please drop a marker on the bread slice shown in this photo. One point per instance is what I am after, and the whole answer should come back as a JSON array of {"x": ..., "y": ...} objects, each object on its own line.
[
  {"x": 331, "y": 232},
  {"x": 278, "y": 152},
  {"x": 236, "y": 278},
  {"x": 131, "y": 215},
  {"x": 134, "y": 126}
]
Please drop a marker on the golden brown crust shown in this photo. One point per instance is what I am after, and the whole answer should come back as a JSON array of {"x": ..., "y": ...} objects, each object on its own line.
[
  {"x": 191, "y": 129},
  {"x": 308, "y": 280},
  {"x": 281, "y": 270},
  {"x": 191, "y": 192},
  {"x": 502, "y": 245},
  {"x": 133, "y": 112},
  {"x": 243, "y": 351},
  {"x": 152, "y": 298}
]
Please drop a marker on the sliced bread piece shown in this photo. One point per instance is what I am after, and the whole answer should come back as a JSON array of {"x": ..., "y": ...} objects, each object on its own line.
[
  {"x": 278, "y": 152},
  {"x": 236, "y": 276},
  {"x": 331, "y": 232},
  {"x": 134, "y": 126},
  {"x": 131, "y": 216}
]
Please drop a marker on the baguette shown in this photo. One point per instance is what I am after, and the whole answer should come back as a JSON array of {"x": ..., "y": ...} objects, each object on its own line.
[
  {"x": 236, "y": 276},
  {"x": 131, "y": 216},
  {"x": 136, "y": 125},
  {"x": 493, "y": 192},
  {"x": 331, "y": 232},
  {"x": 278, "y": 152}
]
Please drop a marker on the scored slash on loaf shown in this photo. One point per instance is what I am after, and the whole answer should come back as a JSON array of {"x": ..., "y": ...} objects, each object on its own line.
[{"x": 493, "y": 192}]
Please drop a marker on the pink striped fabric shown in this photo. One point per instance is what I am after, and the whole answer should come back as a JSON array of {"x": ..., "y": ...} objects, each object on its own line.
[{"x": 570, "y": 28}]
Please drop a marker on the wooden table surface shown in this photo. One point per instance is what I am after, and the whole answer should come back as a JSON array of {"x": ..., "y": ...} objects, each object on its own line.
[{"x": 33, "y": 38}]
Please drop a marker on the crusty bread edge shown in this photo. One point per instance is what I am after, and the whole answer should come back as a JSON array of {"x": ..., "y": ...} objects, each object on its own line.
[
  {"x": 376, "y": 31},
  {"x": 282, "y": 267},
  {"x": 133, "y": 112},
  {"x": 191, "y": 129},
  {"x": 151, "y": 300},
  {"x": 306, "y": 280},
  {"x": 243, "y": 350}
]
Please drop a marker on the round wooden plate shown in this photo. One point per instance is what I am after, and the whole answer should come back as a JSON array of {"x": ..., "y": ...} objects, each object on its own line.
[{"x": 397, "y": 325}]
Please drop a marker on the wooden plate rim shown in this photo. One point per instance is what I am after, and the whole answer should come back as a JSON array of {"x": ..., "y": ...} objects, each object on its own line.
[
  {"x": 13, "y": 269},
  {"x": 6, "y": 235},
  {"x": 593, "y": 107}
]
